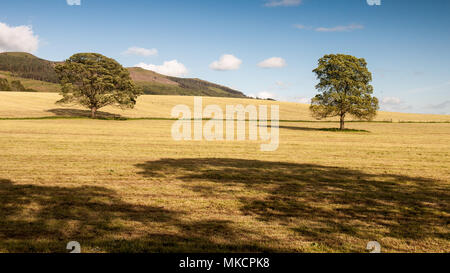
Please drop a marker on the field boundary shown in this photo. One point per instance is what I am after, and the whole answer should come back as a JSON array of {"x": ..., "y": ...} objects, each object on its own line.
[{"x": 247, "y": 120}]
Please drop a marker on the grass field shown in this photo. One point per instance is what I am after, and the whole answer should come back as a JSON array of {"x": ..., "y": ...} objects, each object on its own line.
[
  {"x": 23, "y": 104},
  {"x": 125, "y": 185}
]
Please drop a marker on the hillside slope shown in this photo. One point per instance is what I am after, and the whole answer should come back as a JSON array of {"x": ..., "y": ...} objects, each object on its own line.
[
  {"x": 25, "y": 65},
  {"x": 39, "y": 75},
  {"x": 153, "y": 83}
]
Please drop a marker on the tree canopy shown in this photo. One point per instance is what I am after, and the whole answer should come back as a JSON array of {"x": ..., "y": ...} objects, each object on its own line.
[
  {"x": 94, "y": 81},
  {"x": 15, "y": 85},
  {"x": 344, "y": 89}
]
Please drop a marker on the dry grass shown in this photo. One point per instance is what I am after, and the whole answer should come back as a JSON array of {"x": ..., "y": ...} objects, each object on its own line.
[
  {"x": 19, "y": 105},
  {"x": 119, "y": 186}
]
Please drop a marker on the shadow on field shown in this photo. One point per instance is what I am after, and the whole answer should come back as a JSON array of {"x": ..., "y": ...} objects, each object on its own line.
[
  {"x": 67, "y": 112},
  {"x": 45, "y": 218},
  {"x": 319, "y": 203},
  {"x": 337, "y": 208}
]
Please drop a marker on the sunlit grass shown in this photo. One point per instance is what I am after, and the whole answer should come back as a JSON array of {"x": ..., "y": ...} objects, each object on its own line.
[{"x": 26, "y": 105}]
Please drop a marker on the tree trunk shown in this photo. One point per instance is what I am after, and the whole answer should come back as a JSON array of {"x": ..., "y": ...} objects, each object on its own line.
[
  {"x": 93, "y": 112},
  {"x": 342, "y": 123}
]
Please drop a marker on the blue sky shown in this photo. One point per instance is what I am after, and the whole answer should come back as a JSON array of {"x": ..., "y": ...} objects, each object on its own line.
[{"x": 406, "y": 43}]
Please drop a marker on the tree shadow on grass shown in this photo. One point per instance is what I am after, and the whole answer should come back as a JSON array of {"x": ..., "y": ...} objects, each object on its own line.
[
  {"x": 68, "y": 112},
  {"x": 320, "y": 203},
  {"x": 36, "y": 218},
  {"x": 299, "y": 128}
]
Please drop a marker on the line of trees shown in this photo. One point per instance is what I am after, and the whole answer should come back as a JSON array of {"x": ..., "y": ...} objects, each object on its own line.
[{"x": 15, "y": 85}]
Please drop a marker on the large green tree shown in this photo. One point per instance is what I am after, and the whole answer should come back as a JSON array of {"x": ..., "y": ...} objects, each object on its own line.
[
  {"x": 344, "y": 89},
  {"x": 94, "y": 81}
]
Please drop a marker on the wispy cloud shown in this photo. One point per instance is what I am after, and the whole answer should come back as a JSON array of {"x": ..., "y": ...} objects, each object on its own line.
[
  {"x": 346, "y": 28},
  {"x": 282, "y": 85},
  {"x": 430, "y": 88},
  {"x": 139, "y": 51},
  {"x": 443, "y": 105},
  {"x": 73, "y": 2},
  {"x": 282, "y": 3},
  {"x": 298, "y": 26}
]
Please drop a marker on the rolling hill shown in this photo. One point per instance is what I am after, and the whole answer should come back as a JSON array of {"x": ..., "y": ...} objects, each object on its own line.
[
  {"x": 25, "y": 65},
  {"x": 39, "y": 75}
]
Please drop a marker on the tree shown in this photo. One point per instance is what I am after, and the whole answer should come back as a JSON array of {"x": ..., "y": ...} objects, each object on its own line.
[
  {"x": 94, "y": 81},
  {"x": 4, "y": 85},
  {"x": 17, "y": 86},
  {"x": 344, "y": 89}
]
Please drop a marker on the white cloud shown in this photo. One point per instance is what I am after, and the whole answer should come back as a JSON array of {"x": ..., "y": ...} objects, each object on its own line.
[
  {"x": 226, "y": 62},
  {"x": 348, "y": 28},
  {"x": 274, "y": 62},
  {"x": 304, "y": 100},
  {"x": 73, "y": 2},
  {"x": 265, "y": 95},
  {"x": 282, "y": 3},
  {"x": 139, "y": 51},
  {"x": 20, "y": 38},
  {"x": 394, "y": 104},
  {"x": 169, "y": 68},
  {"x": 391, "y": 101}
]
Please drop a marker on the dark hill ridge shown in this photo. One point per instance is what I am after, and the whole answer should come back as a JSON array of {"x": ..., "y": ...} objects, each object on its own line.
[{"x": 25, "y": 65}]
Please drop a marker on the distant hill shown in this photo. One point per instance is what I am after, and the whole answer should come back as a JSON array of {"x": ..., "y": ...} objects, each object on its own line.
[
  {"x": 28, "y": 66},
  {"x": 153, "y": 83},
  {"x": 38, "y": 74}
]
